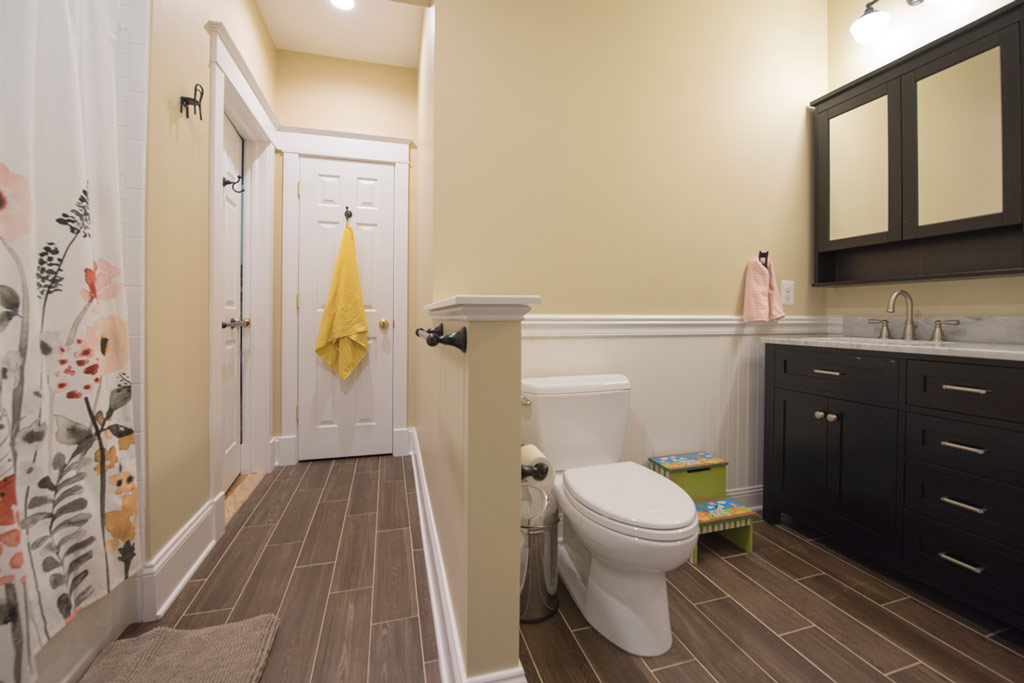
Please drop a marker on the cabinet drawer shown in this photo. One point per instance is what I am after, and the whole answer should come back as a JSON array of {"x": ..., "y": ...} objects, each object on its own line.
[
  {"x": 972, "y": 564},
  {"x": 964, "y": 388},
  {"x": 974, "y": 505},
  {"x": 984, "y": 451},
  {"x": 847, "y": 374}
]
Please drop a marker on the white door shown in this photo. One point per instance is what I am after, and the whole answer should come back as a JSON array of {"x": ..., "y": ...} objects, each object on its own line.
[
  {"x": 341, "y": 418},
  {"x": 231, "y": 315}
]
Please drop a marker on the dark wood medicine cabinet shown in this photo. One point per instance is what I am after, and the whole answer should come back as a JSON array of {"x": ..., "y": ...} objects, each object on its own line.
[{"x": 918, "y": 164}]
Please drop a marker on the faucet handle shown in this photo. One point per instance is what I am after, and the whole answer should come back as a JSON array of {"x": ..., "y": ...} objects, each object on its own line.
[
  {"x": 884, "y": 332},
  {"x": 937, "y": 335}
]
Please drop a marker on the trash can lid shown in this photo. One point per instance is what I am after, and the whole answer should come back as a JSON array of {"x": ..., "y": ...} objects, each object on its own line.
[{"x": 537, "y": 507}]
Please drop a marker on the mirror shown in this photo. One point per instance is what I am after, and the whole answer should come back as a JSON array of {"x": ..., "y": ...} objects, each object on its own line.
[
  {"x": 959, "y": 133},
  {"x": 858, "y": 147}
]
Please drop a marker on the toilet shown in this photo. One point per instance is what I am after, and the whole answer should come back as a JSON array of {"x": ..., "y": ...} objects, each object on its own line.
[{"x": 623, "y": 526}]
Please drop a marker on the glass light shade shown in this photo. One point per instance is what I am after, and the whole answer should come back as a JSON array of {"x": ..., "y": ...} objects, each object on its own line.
[
  {"x": 870, "y": 26},
  {"x": 344, "y": 4}
]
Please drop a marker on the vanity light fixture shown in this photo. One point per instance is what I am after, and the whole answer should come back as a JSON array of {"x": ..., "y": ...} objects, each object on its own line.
[
  {"x": 871, "y": 25},
  {"x": 344, "y": 4}
]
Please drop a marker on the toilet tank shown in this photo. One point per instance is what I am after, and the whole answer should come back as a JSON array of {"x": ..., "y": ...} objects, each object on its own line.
[{"x": 576, "y": 421}]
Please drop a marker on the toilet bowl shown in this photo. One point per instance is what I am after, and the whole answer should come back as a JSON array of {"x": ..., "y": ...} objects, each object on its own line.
[{"x": 623, "y": 526}]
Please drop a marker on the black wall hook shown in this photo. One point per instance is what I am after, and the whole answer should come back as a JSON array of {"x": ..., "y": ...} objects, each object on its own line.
[
  {"x": 348, "y": 214},
  {"x": 196, "y": 102},
  {"x": 228, "y": 181},
  {"x": 762, "y": 256}
]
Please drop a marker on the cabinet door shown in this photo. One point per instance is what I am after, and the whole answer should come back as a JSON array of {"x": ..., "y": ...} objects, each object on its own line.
[
  {"x": 796, "y": 471},
  {"x": 962, "y": 139},
  {"x": 862, "y": 470},
  {"x": 858, "y": 174}
]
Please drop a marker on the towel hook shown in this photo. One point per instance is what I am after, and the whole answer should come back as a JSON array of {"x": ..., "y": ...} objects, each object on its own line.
[
  {"x": 762, "y": 256},
  {"x": 228, "y": 181},
  {"x": 348, "y": 214}
]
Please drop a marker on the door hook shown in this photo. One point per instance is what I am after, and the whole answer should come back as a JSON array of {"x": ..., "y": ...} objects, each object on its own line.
[{"x": 227, "y": 181}]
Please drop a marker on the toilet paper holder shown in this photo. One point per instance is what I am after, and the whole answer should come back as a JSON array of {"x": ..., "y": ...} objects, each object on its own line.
[
  {"x": 538, "y": 471},
  {"x": 436, "y": 335}
]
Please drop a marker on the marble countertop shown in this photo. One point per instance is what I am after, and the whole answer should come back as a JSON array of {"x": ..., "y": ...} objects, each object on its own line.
[{"x": 957, "y": 349}]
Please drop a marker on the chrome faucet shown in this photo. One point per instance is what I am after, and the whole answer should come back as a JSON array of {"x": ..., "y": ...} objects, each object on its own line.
[{"x": 908, "y": 329}]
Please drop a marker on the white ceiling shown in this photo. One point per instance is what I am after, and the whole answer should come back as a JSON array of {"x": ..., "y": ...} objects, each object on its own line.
[{"x": 381, "y": 31}]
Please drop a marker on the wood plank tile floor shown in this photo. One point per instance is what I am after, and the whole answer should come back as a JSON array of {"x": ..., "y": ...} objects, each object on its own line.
[
  {"x": 795, "y": 609},
  {"x": 333, "y": 547}
]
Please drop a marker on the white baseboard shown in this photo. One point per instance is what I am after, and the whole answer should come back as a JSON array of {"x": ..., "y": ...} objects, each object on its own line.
[
  {"x": 284, "y": 450},
  {"x": 750, "y": 496},
  {"x": 401, "y": 442},
  {"x": 449, "y": 648},
  {"x": 163, "y": 577}
]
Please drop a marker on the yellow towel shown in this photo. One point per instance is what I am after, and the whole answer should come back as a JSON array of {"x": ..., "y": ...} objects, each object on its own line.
[{"x": 341, "y": 341}]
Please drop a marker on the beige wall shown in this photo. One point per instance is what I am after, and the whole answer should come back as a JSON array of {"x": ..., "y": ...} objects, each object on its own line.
[
  {"x": 345, "y": 95},
  {"x": 177, "y": 252},
  {"x": 911, "y": 28},
  {"x": 625, "y": 157}
]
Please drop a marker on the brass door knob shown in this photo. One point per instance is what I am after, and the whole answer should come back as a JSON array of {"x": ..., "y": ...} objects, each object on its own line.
[
  {"x": 384, "y": 324},
  {"x": 246, "y": 322}
]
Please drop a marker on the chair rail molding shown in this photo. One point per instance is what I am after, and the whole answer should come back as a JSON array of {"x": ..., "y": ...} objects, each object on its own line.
[{"x": 571, "y": 325}]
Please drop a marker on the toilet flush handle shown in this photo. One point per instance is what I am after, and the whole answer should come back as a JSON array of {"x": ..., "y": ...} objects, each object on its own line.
[{"x": 538, "y": 471}]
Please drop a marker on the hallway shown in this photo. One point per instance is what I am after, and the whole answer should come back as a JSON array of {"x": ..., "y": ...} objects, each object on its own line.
[{"x": 333, "y": 547}]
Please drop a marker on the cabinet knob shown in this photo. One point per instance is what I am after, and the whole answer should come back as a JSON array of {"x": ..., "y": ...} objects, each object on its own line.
[
  {"x": 831, "y": 417},
  {"x": 818, "y": 414}
]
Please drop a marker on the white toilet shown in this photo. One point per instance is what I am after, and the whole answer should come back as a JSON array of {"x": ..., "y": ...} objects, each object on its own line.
[{"x": 623, "y": 525}]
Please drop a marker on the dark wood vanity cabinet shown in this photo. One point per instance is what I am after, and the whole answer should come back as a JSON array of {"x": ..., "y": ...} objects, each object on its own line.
[
  {"x": 918, "y": 165},
  {"x": 915, "y": 462}
]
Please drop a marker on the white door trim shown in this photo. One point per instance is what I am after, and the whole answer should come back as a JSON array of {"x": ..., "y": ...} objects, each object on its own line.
[
  {"x": 234, "y": 94},
  {"x": 295, "y": 145},
  {"x": 234, "y": 90}
]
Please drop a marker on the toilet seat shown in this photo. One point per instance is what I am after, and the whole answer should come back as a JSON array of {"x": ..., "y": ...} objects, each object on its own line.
[{"x": 626, "y": 498}]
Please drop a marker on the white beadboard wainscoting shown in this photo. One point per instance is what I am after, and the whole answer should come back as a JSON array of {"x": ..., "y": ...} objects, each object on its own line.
[{"x": 697, "y": 381}]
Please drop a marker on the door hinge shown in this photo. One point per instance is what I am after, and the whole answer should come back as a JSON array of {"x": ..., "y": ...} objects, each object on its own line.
[
  {"x": 296, "y": 413},
  {"x": 298, "y": 189},
  {"x": 296, "y": 302}
]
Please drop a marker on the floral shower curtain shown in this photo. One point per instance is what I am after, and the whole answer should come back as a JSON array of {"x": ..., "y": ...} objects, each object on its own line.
[{"x": 68, "y": 496}]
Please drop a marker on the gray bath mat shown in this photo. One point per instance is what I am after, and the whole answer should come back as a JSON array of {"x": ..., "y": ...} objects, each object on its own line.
[{"x": 232, "y": 653}]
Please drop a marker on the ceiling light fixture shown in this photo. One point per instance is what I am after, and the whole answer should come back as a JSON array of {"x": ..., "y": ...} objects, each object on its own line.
[{"x": 344, "y": 4}]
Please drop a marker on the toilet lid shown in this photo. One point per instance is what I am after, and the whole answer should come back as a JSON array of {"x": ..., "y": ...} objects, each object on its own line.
[{"x": 632, "y": 494}]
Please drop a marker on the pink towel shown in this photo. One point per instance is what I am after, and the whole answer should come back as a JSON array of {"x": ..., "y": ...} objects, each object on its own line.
[{"x": 761, "y": 302}]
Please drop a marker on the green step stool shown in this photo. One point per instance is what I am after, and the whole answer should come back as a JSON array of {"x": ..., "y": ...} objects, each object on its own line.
[
  {"x": 702, "y": 476},
  {"x": 728, "y": 519}
]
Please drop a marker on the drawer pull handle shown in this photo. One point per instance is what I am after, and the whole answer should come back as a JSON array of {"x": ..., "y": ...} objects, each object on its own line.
[
  {"x": 966, "y": 390},
  {"x": 963, "y": 506},
  {"x": 830, "y": 373},
  {"x": 961, "y": 563},
  {"x": 961, "y": 447}
]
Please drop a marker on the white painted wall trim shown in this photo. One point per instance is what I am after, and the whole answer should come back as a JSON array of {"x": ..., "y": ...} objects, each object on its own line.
[
  {"x": 540, "y": 325},
  {"x": 343, "y": 146},
  {"x": 289, "y": 302},
  {"x": 162, "y": 578},
  {"x": 482, "y": 307},
  {"x": 225, "y": 54},
  {"x": 749, "y": 496},
  {"x": 284, "y": 450},
  {"x": 450, "y": 659}
]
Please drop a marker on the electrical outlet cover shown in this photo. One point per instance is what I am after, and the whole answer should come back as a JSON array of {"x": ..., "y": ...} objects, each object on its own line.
[{"x": 788, "y": 292}]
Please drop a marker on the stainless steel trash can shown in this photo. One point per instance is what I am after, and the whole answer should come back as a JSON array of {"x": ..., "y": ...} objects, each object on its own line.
[{"x": 538, "y": 554}]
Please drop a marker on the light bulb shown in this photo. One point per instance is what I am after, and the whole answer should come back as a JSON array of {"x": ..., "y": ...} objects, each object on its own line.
[
  {"x": 870, "y": 26},
  {"x": 344, "y": 4}
]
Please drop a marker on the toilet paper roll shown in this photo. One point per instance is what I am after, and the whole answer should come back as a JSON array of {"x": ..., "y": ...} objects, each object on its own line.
[{"x": 531, "y": 455}]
